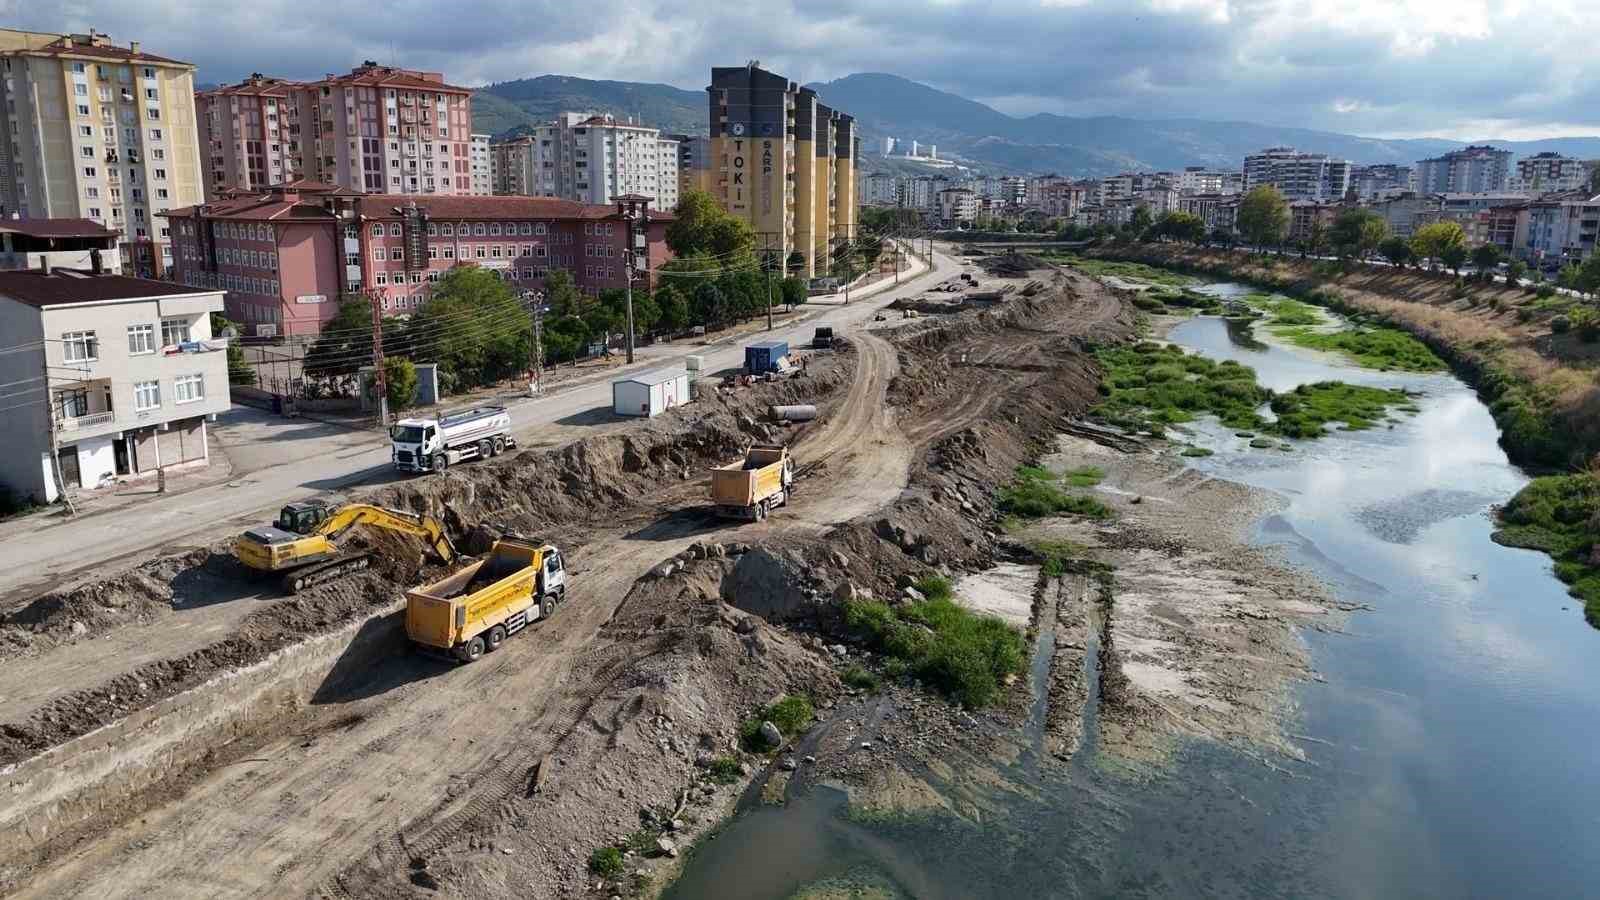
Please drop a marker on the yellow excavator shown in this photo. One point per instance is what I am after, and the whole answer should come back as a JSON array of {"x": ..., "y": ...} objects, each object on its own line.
[{"x": 302, "y": 547}]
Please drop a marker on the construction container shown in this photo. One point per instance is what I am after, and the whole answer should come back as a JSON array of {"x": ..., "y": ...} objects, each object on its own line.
[
  {"x": 650, "y": 393},
  {"x": 694, "y": 363},
  {"x": 764, "y": 356}
]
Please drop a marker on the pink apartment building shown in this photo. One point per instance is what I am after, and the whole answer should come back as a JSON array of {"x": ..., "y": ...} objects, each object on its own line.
[
  {"x": 379, "y": 129},
  {"x": 286, "y": 255}
]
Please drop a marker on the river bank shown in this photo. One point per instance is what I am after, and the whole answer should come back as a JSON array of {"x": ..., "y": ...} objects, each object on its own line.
[{"x": 1540, "y": 385}]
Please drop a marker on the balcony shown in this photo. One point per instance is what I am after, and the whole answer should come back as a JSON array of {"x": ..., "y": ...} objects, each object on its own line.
[{"x": 71, "y": 424}]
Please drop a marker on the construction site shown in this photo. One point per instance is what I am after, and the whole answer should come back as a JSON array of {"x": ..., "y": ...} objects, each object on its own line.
[{"x": 182, "y": 728}]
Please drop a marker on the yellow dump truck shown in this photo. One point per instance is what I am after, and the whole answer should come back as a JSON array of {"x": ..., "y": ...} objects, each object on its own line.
[
  {"x": 754, "y": 486},
  {"x": 474, "y": 610}
]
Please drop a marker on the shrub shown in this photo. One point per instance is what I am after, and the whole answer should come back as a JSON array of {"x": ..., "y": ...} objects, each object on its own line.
[
  {"x": 1560, "y": 325},
  {"x": 1524, "y": 315},
  {"x": 606, "y": 862},
  {"x": 724, "y": 770},
  {"x": 1545, "y": 291},
  {"x": 1085, "y": 476},
  {"x": 400, "y": 378},
  {"x": 962, "y": 654},
  {"x": 1197, "y": 451},
  {"x": 858, "y": 677},
  {"x": 792, "y": 714},
  {"x": 1033, "y": 497}
]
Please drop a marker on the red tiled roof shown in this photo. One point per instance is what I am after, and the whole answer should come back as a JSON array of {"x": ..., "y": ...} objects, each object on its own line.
[
  {"x": 62, "y": 286},
  {"x": 254, "y": 87},
  {"x": 49, "y": 228},
  {"x": 388, "y": 76},
  {"x": 383, "y": 206},
  {"x": 269, "y": 203},
  {"x": 65, "y": 44}
]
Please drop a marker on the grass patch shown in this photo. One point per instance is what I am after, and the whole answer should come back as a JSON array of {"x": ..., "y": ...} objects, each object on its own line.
[
  {"x": 1056, "y": 557},
  {"x": 1129, "y": 271},
  {"x": 1197, "y": 452},
  {"x": 792, "y": 714},
  {"x": 724, "y": 770},
  {"x": 606, "y": 862},
  {"x": 859, "y": 677},
  {"x": 964, "y": 655},
  {"x": 1034, "y": 496},
  {"x": 1374, "y": 348},
  {"x": 1151, "y": 387},
  {"x": 1085, "y": 476},
  {"x": 1557, "y": 514},
  {"x": 1285, "y": 311}
]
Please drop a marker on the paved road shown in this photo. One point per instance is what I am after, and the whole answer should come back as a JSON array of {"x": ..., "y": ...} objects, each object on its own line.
[{"x": 57, "y": 554}]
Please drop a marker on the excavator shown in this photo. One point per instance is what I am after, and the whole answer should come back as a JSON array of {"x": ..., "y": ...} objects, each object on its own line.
[{"x": 302, "y": 545}]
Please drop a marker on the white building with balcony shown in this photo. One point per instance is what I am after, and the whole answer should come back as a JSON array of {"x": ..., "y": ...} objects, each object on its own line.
[{"x": 104, "y": 377}]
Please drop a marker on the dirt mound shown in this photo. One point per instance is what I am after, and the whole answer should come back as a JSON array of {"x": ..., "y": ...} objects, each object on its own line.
[
  {"x": 136, "y": 596},
  {"x": 1012, "y": 264}
]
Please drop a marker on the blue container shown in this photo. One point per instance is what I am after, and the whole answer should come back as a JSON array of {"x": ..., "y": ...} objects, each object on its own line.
[{"x": 763, "y": 357}]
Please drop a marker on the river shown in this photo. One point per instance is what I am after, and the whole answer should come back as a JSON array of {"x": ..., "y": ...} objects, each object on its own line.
[{"x": 1447, "y": 743}]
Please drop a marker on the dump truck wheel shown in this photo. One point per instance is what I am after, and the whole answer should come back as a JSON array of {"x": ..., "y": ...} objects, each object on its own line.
[
  {"x": 471, "y": 651},
  {"x": 499, "y": 446},
  {"x": 485, "y": 447},
  {"x": 497, "y": 636}
]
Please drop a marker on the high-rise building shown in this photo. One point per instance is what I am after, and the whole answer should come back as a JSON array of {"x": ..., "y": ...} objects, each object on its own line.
[
  {"x": 1371, "y": 182},
  {"x": 694, "y": 162},
  {"x": 784, "y": 162},
  {"x": 595, "y": 159},
  {"x": 378, "y": 129},
  {"x": 879, "y": 189},
  {"x": 1550, "y": 172},
  {"x": 511, "y": 166},
  {"x": 99, "y": 131},
  {"x": 1299, "y": 176},
  {"x": 1473, "y": 170},
  {"x": 482, "y": 169}
]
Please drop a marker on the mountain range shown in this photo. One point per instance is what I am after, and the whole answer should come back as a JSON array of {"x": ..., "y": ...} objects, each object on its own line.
[{"x": 888, "y": 105}]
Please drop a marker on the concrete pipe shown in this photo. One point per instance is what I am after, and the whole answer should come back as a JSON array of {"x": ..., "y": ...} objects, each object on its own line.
[{"x": 802, "y": 413}]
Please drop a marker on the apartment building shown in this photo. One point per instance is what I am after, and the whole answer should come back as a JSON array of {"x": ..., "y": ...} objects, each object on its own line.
[
  {"x": 694, "y": 162},
  {"x": 482, "y": 173},
  {"x": 286, "y": 257},
  {"x": 1219, "y": 212},
  {"x": 511, "y": 165},
  {"x": 1562, "y": 229},
  {"x": 1472, "y": 170},
  {"x": 1199, "y": 180},
  {"x": 124, "y": 380},
  {"x": 69, "y": 243},
  {"x": 957, "y": 207},
  {"x": 377, "y": 129},
  {"x": 879, "y": 189},
  {"x": 252, "y": 133},
  {"x": 96, "y": 130},
  {"x": 1373, "y": 182},
  {"x": 1063, "y": 198},
  {"x": 785, "y": 162},
  {"x": 1404, "y": 213},
  {"x": 1552, "y": 172},
  {"x": 592, "y": 158},
  {"x": 1299, "y": 176}
]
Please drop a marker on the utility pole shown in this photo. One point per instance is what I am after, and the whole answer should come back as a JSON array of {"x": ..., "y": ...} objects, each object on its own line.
[
  {"x": 377, "y": 359},
  {"x": 767, "y": 263},
  {"x": 635, "y": 212},
  {"x": 537, "y": 387},
  {"x": 55, "y": 448}
]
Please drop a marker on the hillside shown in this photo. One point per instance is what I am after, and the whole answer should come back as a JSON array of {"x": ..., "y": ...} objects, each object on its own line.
[
  {"x": 529, "y": 101},
  {"x": 886, "y": 105}
]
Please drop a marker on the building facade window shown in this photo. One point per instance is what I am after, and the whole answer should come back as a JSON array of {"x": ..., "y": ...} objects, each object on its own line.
[
  {"x": 141, "y": 339},
  {"x": 80, "y": 346},
  {"x": 146, "y": 395},
  {"x": 188, "y": 388},
  {"x": 174, "y": 331}
]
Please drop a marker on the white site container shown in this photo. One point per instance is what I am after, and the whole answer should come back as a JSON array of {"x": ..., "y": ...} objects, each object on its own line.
[{"x": 650, "y": 393}]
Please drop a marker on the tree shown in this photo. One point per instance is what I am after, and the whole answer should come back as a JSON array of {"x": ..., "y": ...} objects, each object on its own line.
[
  {"x": 1263, "y": 216},
  {"x": 1454, "y": 256},
  {"x": 474, "y": 326},
  {"x": 706, "y": 305},
  {"x": 1181, "y": 226},
  {"x": 1587, "y": 280},
  {"x": 1396, "y": 250},
  {"x": 565, "y": 337},
  {"x": 674, "y": 310},
  {"x": 1515, "y": 269},
  {"x": 1316, "y": 239},
  {"x": 400, "y": 381},
  {"x": 239, "y": 371},
  {"x": 703, "y": 226},
  {"x": 1141, "y": 221},
  {"x": 646, "y": 313},
  {"x": 1431, "y": 241},
  {"x": 1486, "y": 257},
  {"x": 794, "y": 292},
  {"x": 1357, "y": 232},
  {"x": 561, "y": 293}
]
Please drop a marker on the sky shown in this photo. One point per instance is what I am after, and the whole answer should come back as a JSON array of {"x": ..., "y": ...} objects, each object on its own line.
[{"x": 1461, "y": 69}]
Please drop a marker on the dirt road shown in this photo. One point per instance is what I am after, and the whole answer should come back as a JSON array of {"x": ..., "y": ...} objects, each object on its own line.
[{"x": 368, "y": 760}]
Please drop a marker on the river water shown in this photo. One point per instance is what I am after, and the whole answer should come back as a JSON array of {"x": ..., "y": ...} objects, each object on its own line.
[{"x": 1447, "y": 744}]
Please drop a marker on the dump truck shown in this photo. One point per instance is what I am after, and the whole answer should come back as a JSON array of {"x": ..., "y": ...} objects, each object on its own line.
[
  {"x": 754, "y": 486},
  {"x": 302, "y": 545},
  {"x": 823, "y": 338},
  {"x": 472, "y": 611},
  {"x": 435, "y": 444}
]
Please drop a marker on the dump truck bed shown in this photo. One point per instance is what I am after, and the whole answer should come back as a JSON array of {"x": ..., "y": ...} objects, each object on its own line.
[
  {"x": 744, "y": 484},
  {"x": 485, "y": 592}
]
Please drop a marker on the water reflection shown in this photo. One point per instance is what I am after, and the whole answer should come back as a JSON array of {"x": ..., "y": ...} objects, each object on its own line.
[{"x": 1449, "y": 739}]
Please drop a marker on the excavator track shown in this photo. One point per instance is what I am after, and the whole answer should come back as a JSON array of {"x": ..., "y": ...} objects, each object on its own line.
[{"x": 321, "y": 573}]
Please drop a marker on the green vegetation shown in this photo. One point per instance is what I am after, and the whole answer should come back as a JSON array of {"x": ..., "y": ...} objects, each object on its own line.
[
  {"x": 1374, "y": 348},
  {"x": 860, "y": 677},
  {"x": 1085, "y": 476},
  {"x": 1284, "y": 310},
  {"x": 1036, "y": 494},
  {"x": 400, "y": 382},
  {"x": 964, "y": 655},
  {"x": 792, "y": 714},
  {"x": 606, "y": 862},
  {"x": 1560, "y": 515},
  {"x": 1154, "y": 386},
  {"x": 1128, "y": 271},
  {"x": 1058, "y": 557},
  {"x": 1263, "y": 216},
  {"x": 1197, "y": 452},
  {"x": 724, "y": 770}
]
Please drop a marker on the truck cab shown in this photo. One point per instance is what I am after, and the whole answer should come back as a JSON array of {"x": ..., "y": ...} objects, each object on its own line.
[{"x": 413, "y": 442}]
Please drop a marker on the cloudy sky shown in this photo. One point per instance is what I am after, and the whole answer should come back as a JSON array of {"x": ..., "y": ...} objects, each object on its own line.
[{"x": 1463, "y": 69}]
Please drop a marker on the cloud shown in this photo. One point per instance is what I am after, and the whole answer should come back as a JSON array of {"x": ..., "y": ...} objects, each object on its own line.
[{"x": 1383, "y": 67}]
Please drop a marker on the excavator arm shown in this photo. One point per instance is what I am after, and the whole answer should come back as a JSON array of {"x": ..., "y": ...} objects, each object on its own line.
[{"x": 425, "y": 527}]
